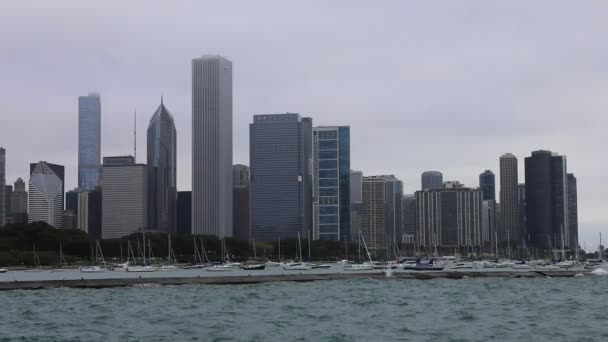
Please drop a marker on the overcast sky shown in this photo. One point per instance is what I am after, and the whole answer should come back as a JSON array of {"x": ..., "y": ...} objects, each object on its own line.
[{"x": 427, "y": 85}]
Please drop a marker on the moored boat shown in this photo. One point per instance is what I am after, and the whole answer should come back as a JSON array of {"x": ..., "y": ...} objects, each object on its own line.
[{"x": 253, "y": 267}]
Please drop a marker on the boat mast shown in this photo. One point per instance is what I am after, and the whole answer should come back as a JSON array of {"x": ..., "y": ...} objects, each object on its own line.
[
  {"x": 366, "y": 250},
  {"x": 279, "y": 249}
]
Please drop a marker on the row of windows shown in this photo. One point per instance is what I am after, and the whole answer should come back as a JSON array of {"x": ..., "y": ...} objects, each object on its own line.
[
  {"x": 328, "y": 192},
  {"x": 327, "y": 134},
  {"x": 329, "y": 154},
  {"x": 328, "y": 145},
  {"x": 328, "y": 164},
  {"x": 328, "y": 210}
]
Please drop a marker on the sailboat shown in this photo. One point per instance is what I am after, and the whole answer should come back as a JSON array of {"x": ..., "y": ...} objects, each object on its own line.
[
  {"x": 297, "y": 266},
  {"x": 226, "y": 265},
  {"x": 95, "y": 268},
  {"x": 254, "y": 265},
  {"x": 169, "y": 266},
  {"x": 366, "y": 266},
  {"x": 145, "y": 267},
  {"x": 273, "y": 263}
]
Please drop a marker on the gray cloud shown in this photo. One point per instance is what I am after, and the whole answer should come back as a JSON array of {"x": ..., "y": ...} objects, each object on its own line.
[{"x": 443, "y": 85}]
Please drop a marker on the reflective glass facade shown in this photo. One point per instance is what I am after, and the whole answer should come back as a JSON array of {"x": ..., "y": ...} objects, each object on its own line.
[
  {"x": 89, "y": 141},
  {"x": 331, "y": 187}
]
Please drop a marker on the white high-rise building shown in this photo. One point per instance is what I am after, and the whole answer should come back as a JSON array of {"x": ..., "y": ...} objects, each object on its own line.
[
  {"x": 212, "y": 146},
  {"x": 46, "y": 186}
]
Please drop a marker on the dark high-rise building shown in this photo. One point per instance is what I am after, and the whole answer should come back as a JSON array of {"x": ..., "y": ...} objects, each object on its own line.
[
  {"x": 89, "y": 141},
  {"x": 184, "y": 212},
  {"x": 281, "y": 176},
  {"x": 509, "y": 229},
  {"x": 432, "y": 180},
  {"x": 162, "y": 166},
  {"x": 8, "y": 194},
  {"x": 2, "y": 183},
  {"x": 547, "y": 200},
  {"x": 71, "y": 200},
  {"x": 46, "y": 189},
  {"x": 487, "y": 185},
  {"x": 331, "y": 183},
  {"x": 572, "y": 211},
  {"x": 240, "y": 200},
  {"x": 212, "y": 146},
  {"x": 356, "y": 200},
  {"x": 19, "y": 202},
  {"x": 89, "y": 212},
  {"x": 521, "y": 200},
  {"x": 409, "y": 218},
  {"x": 394, "y": 225},
  {"x": 449, "y": 217}
]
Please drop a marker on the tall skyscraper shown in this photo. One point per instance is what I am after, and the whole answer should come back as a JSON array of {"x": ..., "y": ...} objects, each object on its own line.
[
  {"x": 281, "y": 176},
  {"x": 509, "y": 205},
  {"x": 432, "y": 180},
  {"x": 547, "y": 200},
  {"x": 212, "y": 146},
  {"x": 89, "y": 141},
  {"x": 374, "y": 213},
  {"x": 89, "y": 213},
  {"x": 162, "y": 177},
  {"x": 487, "y": 185},
  {"x": 8, "y": 194},
  {"x": 572, "y": 211},
  {"x": 19, "y": 202},
  {"x": 409, "y": 219},
  {"x": 46, "y": 189},
  {"x": 331, "y": 183},
  {"x": 2, "y": 183},
  {"x": 521, "y": 200},
  {"x": 240, "y": 199},
  {"x": 124, "y": 206},
  {"x": 394, "y": 226},
  {"x": 356, "y": 201}
]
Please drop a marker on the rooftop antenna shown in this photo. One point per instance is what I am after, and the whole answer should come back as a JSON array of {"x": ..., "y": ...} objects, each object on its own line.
[{"x": 135, "y": 137}]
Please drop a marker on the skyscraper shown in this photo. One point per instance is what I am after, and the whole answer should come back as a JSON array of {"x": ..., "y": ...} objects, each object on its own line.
[
  {"x": 432, "y": 180},
  {"x": 162, "y": 165},
  {"x": 2, "y": 183},
  {"x": 572, "y": 212},
  {"x": 212, "y": 146},
  {"x": 240, "y": 199},
  {"x": 394, "y": 226},
  {"x": 547, "y": 200},
  {"x": 409, "y": 219},
  {"x": 184, "y": 212},
  {"x": 509, "y": 205},
  {"x": 19, "y": 202},
  {"x": 281, "y": 176},
  {"x": 46, "y": 189},
  {"x": 331, "y": 183},
  {"x": 89, "y": 141},
  {"x": 8, "y": 194},
  {"x": 89, "y": 213},
  {"x": 487, "y": 185},
  {"x": 374, "y": 213},
  {"x": 124, "y": 206},
  {"x": 356, "y": 201}
]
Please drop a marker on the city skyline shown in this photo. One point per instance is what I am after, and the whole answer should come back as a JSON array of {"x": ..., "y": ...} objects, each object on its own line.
[{"x": 548, "y": 124}]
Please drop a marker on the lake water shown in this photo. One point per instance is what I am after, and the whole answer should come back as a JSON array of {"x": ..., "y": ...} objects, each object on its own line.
[{"x": 500, "y": 309}]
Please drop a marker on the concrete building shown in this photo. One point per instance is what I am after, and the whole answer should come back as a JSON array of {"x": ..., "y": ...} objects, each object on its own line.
[
  {"x": 89, "y": 214},
  {"x": 281, "y": 176},
  {"x": 240, "y": 204},
  {"x": 488, "y": 223},
  {"x": 162, "y": 168},
  {"x": 124, "y": 197},
  {"x": 19, "y": 202},
  {"x": 487, "y": 185},
  {"x": 2, "y": 184},
  {"x": 408, "y": 205},
  {"x": 331, "y": 183},
  {"x": 89, "y": 141},
  {"x": 521, "y": 200},
  {"x": 212, "y": 146},
  {"x": 374, "y": 213},
  {"x": 356, "y": 201},
  {"x": 394, "y": 225},
  {"x": 572, "y": 211},
  {"x": 184, "y": 212},
  {"x": 46, "y": 189},
  {"x": 547, "y": 200},
  {"x": 509, "y": 229},
  {"x": 449, "y": 218},
  {"x": 432, "y": 180}
]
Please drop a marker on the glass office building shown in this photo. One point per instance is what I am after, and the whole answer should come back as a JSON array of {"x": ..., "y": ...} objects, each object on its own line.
[
  {"x": 89, "y": 141},
  {"x": 331, "y": 185}
]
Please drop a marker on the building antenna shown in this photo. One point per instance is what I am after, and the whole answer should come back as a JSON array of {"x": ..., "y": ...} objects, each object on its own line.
[{"x": 135, "y": 137}]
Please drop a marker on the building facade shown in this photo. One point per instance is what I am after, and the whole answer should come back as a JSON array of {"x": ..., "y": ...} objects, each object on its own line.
[
  {"x": 281, "y": 176},
  {"x": 374, "y": 213},
  {"x": 89, "y": 214},
  {"x": 240, "y": 206},
  {"x": 212, "y": 146},
  {"x": 432, "y": 180},
  {"x": 487, "y": 185},
  {"x": 46, "y": 189},
  {"x": 184, "y": 212},
  {"x": 331, "y": 183},
  {"x": 356, "y": 201},
  {"x": 409, "y": 219},
  {"x": 8, "y": 194},
  {"x": 394, "y": 225},
  {"x": 162, "y": 171},
  {"x": 547, "y": 200},
  {"x": 2, "y": 184},
  {"x": 572, "y": 212},
  {"x": 89, "y": 141},
  {"x": 509, "y": 229},
  {"x": 19, "y": 202},
  {"x": 124, "y": 204}
]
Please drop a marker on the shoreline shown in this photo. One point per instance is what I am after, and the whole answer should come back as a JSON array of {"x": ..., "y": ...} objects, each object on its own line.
[{"x": 257, "y": 279}]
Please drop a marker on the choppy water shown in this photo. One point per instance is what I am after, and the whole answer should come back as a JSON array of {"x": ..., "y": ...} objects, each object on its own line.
[{"x": 573, "y": 309}]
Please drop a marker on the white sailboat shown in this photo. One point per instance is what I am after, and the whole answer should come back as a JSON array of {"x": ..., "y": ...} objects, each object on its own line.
[
  {"x": 366, "y": 266},
  {"x": 145, "y": 267},
  {"x": 226, "y": 265},
  {"x": 297, "y": 266}
]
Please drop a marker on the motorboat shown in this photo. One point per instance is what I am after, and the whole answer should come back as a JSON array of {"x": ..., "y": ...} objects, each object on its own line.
[
  {"x": 3, "y": 270},
  {"x": 297, "y": 266},
  {"x": 222, "y": 268},
  {"x": 168, "y": 268},
  {"x": 253, "y": 267},
  {"x": 320, "y": 266},
  {"x": 140, "y": 268},
  {"x": 359, "y": 267},
  {"x": 274, "y": 264}
]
